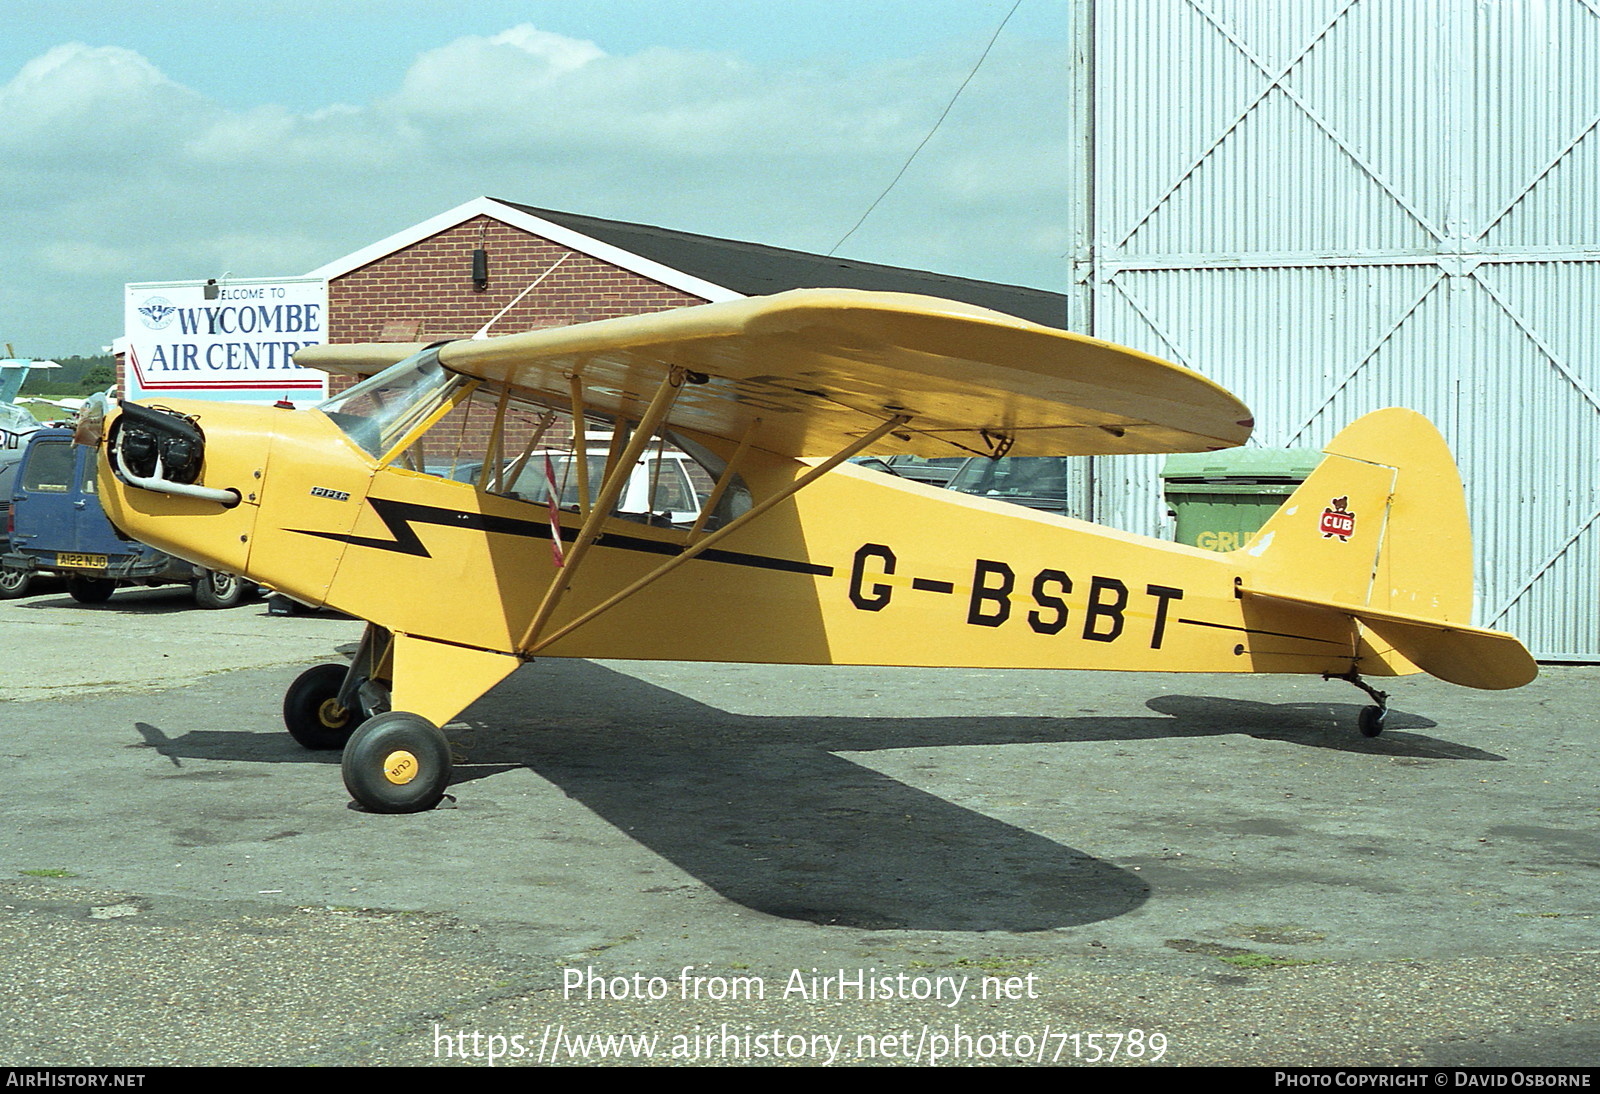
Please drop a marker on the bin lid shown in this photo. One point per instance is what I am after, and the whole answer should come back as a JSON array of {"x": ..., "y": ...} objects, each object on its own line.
[{"x": 1242, "y": 465}]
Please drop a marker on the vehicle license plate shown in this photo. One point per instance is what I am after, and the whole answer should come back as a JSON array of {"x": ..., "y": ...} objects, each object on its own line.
[{"x": 85, "y": 562}]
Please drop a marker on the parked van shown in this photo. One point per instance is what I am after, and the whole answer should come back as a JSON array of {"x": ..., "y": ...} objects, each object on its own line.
[{"x": 58, "y": 527}]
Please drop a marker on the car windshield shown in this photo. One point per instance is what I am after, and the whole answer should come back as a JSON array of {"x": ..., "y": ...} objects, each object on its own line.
[
  {"x": 1036, "y": 481},
  {"x": 379, "y": 412}
]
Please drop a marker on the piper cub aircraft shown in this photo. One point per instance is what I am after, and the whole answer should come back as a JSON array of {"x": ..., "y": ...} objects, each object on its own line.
[{"x": 794, "y": 555}]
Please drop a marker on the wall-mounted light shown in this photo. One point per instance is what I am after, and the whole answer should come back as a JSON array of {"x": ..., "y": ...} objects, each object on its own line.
[
  {"x": 480, "y": 269},
  {"x": 212, "y": 289}
]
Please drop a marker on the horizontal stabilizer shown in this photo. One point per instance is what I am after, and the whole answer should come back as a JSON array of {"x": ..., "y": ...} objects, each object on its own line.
[{"x": 1469, "y": 656}]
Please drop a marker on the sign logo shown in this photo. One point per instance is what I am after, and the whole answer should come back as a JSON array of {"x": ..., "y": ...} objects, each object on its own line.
[
  {"x": 1338, "y": 520},
  {"x": 157, "y": 312}
]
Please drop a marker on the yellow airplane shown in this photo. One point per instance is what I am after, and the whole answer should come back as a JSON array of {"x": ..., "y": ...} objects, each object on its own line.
[{"x": 466, "y": 560}]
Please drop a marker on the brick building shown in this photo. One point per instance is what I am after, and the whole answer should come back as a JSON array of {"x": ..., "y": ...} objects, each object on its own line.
[{"x": 419, "y": 284}]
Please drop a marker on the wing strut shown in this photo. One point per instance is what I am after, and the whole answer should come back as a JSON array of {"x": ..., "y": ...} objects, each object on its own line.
[
  {"x": 610, "y": 490},
  {"x": 540, "y": 428},
  {"x": 580, "y": 445},
  {"x": 723, "y": 481},
  {"x": 528, "y": 647}
]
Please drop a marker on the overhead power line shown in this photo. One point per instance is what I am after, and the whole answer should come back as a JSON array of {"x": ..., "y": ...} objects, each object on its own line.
[{"x": 940, "y": 121}]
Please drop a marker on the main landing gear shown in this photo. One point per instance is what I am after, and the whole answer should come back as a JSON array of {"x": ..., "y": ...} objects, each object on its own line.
[
  {"x": 312, "y": 712},
  {"x": 1371, "y": 719},
  {"x": 394, "y": 761},
  {"x": 397, "y": 763}
]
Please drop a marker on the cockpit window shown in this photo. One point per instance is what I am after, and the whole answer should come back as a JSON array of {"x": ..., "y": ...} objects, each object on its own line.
[
  {"x": 519, "y": 445},
  {"x": 380, "y": 411}
]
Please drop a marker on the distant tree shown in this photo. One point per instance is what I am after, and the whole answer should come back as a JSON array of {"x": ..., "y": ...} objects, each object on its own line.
[{"x": 76, "y": 376}]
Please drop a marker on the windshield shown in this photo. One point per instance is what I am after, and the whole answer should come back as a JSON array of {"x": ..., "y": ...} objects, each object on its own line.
[{"x": 379, "y": 412}]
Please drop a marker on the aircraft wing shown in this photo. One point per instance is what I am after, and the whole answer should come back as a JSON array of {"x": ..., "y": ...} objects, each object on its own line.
[
  {"x": 821, "y": 367},
  {"x": 357, "y": 360}
]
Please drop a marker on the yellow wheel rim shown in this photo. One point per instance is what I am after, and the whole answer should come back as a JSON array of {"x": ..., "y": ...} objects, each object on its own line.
[
  {"x": 400, "y": 767},
  {"x": 331, "y": 714}
]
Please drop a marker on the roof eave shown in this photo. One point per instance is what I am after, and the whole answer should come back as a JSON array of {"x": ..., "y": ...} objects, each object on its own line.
[{"x": 517, "y": 218}]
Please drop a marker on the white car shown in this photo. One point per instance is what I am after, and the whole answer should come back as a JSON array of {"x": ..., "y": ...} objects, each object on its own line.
[{"x": 662, "y": 489}]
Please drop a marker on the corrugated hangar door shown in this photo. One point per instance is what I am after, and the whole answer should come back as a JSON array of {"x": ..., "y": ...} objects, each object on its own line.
[{"x": 1331, "y": 206}]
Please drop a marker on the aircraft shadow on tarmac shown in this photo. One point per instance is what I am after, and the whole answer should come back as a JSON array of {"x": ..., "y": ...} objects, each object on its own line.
[{"x": 762, "y": 810}]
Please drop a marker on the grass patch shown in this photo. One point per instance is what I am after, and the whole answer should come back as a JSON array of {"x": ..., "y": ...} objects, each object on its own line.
[
  {"x": 1237, "y": 956},
  {"x": 1253, "y": 960},
  {"x": 47, "y": 873}
]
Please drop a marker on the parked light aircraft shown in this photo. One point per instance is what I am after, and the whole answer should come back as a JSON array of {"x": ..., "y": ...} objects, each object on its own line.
[
  {"x": 15, "y": 423},
  {"x": 795, "y": 556}
]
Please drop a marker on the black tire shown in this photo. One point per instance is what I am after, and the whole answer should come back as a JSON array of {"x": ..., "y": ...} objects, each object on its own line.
[
  {"x": 218, "y": 590},
  {"x": 15, "y": 583},
  {"x": 397, "y": 763},
  {"x": 90, "y": 590},
  {"x": 311, "y": 710},
  {"x": 1371, "y": 721}
]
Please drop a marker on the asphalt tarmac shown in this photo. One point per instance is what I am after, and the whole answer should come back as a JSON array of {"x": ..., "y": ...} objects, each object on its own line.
[{"x": 727, "y": 864}]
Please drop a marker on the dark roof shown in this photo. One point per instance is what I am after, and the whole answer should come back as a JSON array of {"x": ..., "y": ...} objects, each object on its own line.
[{"x": 755, "y": 269}]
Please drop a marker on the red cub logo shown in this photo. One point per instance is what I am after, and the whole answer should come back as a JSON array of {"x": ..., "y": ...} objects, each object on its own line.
[{"x": 1338, "y": 520}]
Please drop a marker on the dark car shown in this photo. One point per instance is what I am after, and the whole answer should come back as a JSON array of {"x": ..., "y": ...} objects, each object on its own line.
[
  {"x": 58, "y": 527},
  {"x": 934, "y": 470},
  {"x": 1039, "y": 482},
  {"x": 13, "y": 583}
]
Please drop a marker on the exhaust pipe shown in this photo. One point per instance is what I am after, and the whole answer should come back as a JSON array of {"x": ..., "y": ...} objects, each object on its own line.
[{"x": 161, "y": 451}]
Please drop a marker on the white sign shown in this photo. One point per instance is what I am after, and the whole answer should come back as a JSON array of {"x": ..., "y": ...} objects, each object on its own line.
[{"x": 233, "y": 341}]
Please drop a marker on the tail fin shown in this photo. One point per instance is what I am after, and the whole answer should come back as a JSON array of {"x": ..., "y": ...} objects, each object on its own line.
[
  {"x": 12, "y": 372},
  {"x": 1378, "y": 532}
]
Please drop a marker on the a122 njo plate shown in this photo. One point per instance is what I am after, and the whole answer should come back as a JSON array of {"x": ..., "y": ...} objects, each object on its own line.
[{"x": 81, "y": 562}]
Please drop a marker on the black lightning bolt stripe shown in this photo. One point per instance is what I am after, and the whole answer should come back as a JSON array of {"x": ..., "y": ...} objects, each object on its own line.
[{"x": 400, "y": 517}]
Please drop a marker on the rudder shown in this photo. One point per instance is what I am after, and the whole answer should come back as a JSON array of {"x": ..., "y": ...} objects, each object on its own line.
[{"x": 1379, "y": 532}]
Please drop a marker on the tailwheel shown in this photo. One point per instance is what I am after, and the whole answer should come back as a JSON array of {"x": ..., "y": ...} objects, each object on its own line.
[
  {"x": 397, "y": 763},
  {"x": 1371, "y": 720},
  {"x": 312, "y": 712}
]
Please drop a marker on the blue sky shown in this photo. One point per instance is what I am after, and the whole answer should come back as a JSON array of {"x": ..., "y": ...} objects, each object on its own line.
[{"x": 176, "y": 139}]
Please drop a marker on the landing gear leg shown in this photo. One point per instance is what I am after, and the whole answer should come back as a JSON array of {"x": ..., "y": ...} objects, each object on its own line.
[
  {"x": 367, "y": 685},
  {"x": 325, "y": 704},
  {"x": 1371, "y": 720}
]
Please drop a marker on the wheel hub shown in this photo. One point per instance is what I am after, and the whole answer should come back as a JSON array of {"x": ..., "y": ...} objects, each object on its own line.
[{"x": 400, "y": 767}]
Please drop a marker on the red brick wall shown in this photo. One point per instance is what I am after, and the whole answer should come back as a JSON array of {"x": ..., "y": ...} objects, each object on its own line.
[{"x": 425, "y": 292}]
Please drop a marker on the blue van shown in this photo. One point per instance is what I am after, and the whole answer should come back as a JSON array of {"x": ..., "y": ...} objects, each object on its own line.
[{"x": 58, "y": 527}]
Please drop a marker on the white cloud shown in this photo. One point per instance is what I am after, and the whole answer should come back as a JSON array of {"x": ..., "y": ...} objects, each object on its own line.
[
  {"x": 86, "y": 101},
  {"x": 114, "y": 173},
  {"x": 80, "y": 256},
  {"x": 499, "y": 82}
]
